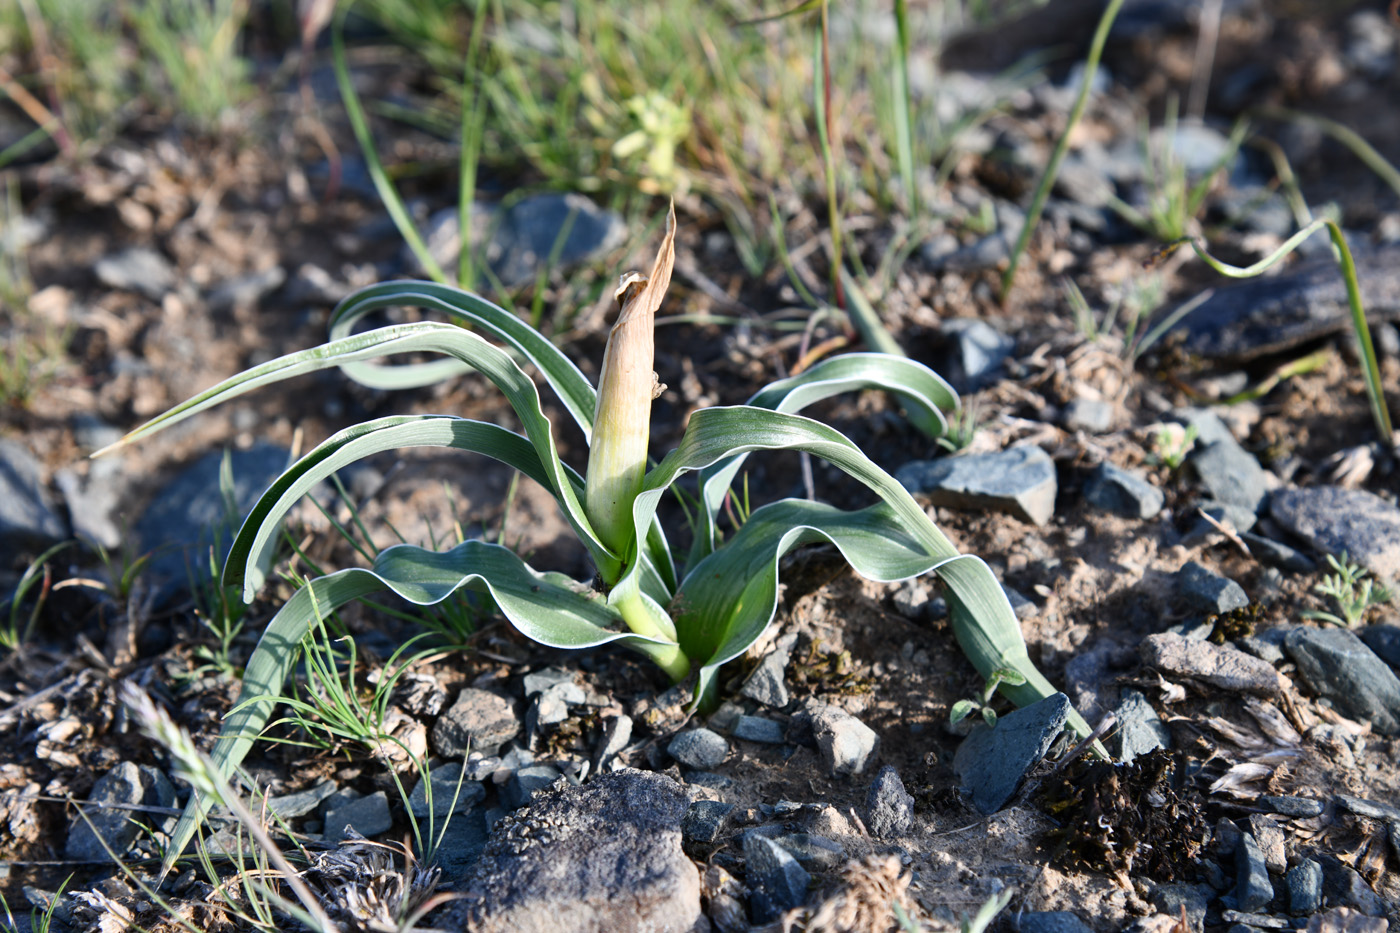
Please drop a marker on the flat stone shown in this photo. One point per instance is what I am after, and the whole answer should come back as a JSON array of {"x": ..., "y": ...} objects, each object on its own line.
[
  {"x": 617, "y": 732},
  {"x": 1333, "y": 520},
  {"x": 110, "y": 825},
  {"x": 911, "y": 600},
  {"x": 1019, "y": 481},
  {"x": 1338, "y": 665},
  {"x": 478, "y": 720},
  {"x": 1300, "y": 808},
  {"x": 137, "y": 269},
  {"x": 991, "y": 762},
  {"x": 1373, "y": 809},
  {"x": 1123, "y": 492},
  {"x": 1140, "y": 729},
  {"x": 1245, "y": 922},
  {"x": 843, "y": 741},
  {"x": 1253, "y": 889},
  {"x": 245, "y": 291},
  {"x": 460, "y": 842},
  {"x": 599, "y": 858},
  {"x": 1277, "y": 554},
  {"x": 698, "y": 748},
  {"x": 1304, "y": 882},
  {"x": 1219, "y": 665},
  {"x": 1171, "y": 898},
  {"x": 1206, "y": 591},
  {"x": 1270, "y": 314},
  {"x": 704, "y": 820},
  {"x": 443, "y": 781},
  {"x": 1269, "y": 835},
  {"x": 776, "y": 882},
  {"x": 1233, "y": 477},
  {"x": 299, "y": 804},
  {"x": 767, "y": 684},
  {"x": 760, "y": 729},
  {"x": 368, "y": 815},
  {"x": 889, "y": 809},
  {"x": 525, "y": 237},
  {"x": 1343, "y": 886},
  {"x": 527, "y": 782},
  {"x": 540, "y": 681},
  {"x": 28, "y": 518},
  {"x": 813, "y": 852},
  {"x": 1384, "y": 640},
  {"x": 1052, "y": 921},
  {"x": 1092, "y": 415}
]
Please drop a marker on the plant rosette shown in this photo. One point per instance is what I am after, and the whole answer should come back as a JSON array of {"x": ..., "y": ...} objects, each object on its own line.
[{"x": 689, "y": 619}]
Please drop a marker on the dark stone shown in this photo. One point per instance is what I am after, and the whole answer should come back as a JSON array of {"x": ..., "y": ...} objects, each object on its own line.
[
  {"x": 1277, "y": 554},
  {"x": 1253, "y": 889},
  {"x": 1304, "y": 882},
  {"x": 1384, "y": 640},
  {"x": 443, "y": 781},
  {"x": 1268, "y": 315},
  {"x": 1301, "y": 808},
  {"x": 299, "y": 804},
  {"x": 766, "y": 684},
  {"x": 1339, "y": 666},
  {"x": 1333, "y": 520},
  {"x": 1021, "y": 605},
  {"x": 1206, "y": 591},
  {"x": 911, "y": 600},
  {"x": 1234, "y": 479},
  {"x": 529, "y": 228},
  {"x": 1052, "y": 921},
  {"x": 27, "y": 515},
  {"x": 368, "y": 815},
  {"x": 1019, "y": 481},
  {"x": 704, "y": 820},
  {"x": 699, "y": 748},
  {"x": 478, "y": 720},
  {"x": 1343, "y": 887},
  {"x": 760, "y": 729},
  {"x": 1372, "y": 809},
  {"x": 598, "y": 858},
  {"x": 813, "y": 852},
  {"x": 137, "y": 269},
  {"x": 522, "y": 786},
  {"x": 462, "y": 840},
  {"x": 1170, "y": 898},
  {"x": 889, "y": 809},
  {"x": 1090, "y": 415},
  {"x": 540, "y": 681},
  {"x": 777, "y": 883},
  {"x": 1140, "y": 729},
  {"x": 991, "y": 762},
  {"x": 844, "y": 742},
  {"x": 1123, "y": 493},
  {"x": 984, "y": 253},
  {"x": 1220, "y": 665},
  {"x": 110, "y": 824}
]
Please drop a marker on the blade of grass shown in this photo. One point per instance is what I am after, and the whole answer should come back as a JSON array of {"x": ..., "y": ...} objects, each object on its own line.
[
  {"x": 1052, "y": 170},
  {"x": 903, "y": 112},
  {"x": 472, "y": 135}
]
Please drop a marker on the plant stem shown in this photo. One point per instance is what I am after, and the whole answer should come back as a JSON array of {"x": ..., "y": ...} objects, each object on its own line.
[
  {"x": 1052, "y": 170},
  {"x": 639, "y": 618}
]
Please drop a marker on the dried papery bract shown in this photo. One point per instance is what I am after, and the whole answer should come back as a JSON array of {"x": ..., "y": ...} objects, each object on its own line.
[{"x": 617, "y": 459}]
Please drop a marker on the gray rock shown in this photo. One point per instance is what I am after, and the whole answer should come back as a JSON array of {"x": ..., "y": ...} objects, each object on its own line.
[
  {"x": 1234, "y": 479},
  {"x": 813, "y": 852},
  {"x": 1021, "y": 605},
  {"x": 1269, "y": 836},
  {"x": 1269, "y": 315},
  {"x": 137, "y": 269},
  {"x": 976, "y": 353},
  {"x": 991, "y": 762},
  {"x": 27, "y": 516},
  {"x": 1206, "y": 591},
  {"x": 1296, "y": 807},
  {"x": 190, "y": 513},
  {"x": 1277, "y": 554},
  {"x": 526, "y": 783},
  {"x": 698, "y": 748},
  {"x": 109, "y": 825},
  {"x": 93, "y": 500},
  {"x": 312, "y": 285},
  {"x": 1384, "y": 640},
  {"x": 889, "y": 809},
  {"x": 1170, "y": 898},
  {"x": 299, "y": 804},
  {"x": 478, "y": 720},
  {"x": 1140, "y": 729},
  {"x": 447, "y": 796},
  {"x": 704, "y": 821},
  {"x": 529, "y": 229},
  {"x": 1304, "y": 882},
  {"x": 1370, "y": 46},
  {"x": 760, "y": 729},
  {"x": 1338, "y": 665},
  {"x": 911, "y": 600},
  {"x": 766, "y": 684},
  {"x": 463, "y": 839},
  {"x": 1122, "y": 492},
  {"x": 1333, "y": 520},
  {"x": 1087, "y": 681},
  {"x": 1092, "y": 415},
  {"x": 1373, "y": 809},
  {"x": 1020, "y": 481},
  {"x": 1343, "y": 886},
  {"x": 1219, "y": 665},
  {"x": 1253, "y": 889},
  {"x": 245, "y": 291},
  {"x": 844, "y": 742},
  {"x": 540, "y": 681},
  {"x": 368, "y": 815},
  {"x": 617, "y": 732},
  {"x": 1267, "y": 645},
  {"x": 1052, "y": 921},
  {"x": 598, "y": 858},
  {"x": 776, "y": 882}
]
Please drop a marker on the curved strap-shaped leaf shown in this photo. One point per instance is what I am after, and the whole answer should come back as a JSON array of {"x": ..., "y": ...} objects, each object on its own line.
[
  {"x": 924, "y": 394},
  {"x": 578, "y": 396},
  {"x": 424, "y": 337},
  {"x": 572, "y": 387},
  {"x": 547, "y": 607},
  {"x": 991, "y": 636}
]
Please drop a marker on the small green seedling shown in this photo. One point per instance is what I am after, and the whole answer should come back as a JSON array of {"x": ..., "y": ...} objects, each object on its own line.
[
  {"x": 1352, "y": 590},
  {"x": 965, "y": 708},
  {"x": 1171, "y": 445}
]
